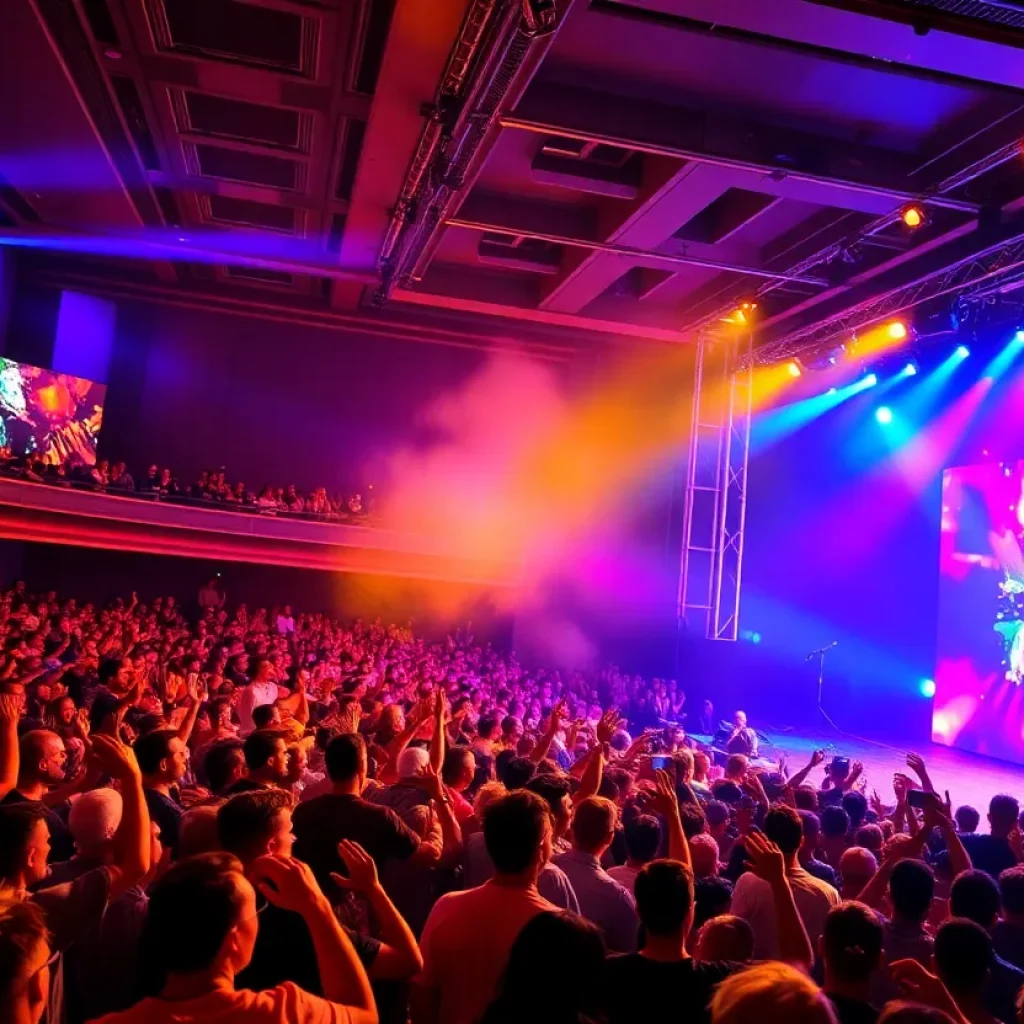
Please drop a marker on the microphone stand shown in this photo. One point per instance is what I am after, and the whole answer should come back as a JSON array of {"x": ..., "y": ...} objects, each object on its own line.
[{"x": 820, "y": 655}]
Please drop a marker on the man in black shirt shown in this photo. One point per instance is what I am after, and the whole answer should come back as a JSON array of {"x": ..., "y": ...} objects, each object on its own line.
[
  {"x": 163, "y": 760},
  {"x": 663, "y": 982},
  {"x": 851, "y": 947},
  {"x": 266, "y": 758},
  {"x": 258, "y": 824},
  {"x": 326, "y": 820},
  {"x": 41, "y": 762}
]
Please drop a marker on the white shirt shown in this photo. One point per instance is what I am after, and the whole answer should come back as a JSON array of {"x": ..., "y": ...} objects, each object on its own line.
[
  {"x": 253, "y": 696},
  {"x": 753, "y": 901},
  {"x": 624, "y": 875}
]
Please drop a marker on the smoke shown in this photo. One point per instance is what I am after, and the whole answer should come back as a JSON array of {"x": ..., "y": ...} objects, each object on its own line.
[{"x": 539, "y": 488}]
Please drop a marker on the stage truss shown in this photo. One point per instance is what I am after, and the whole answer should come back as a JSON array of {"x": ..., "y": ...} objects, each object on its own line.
[{"x": 715, "y": 501}]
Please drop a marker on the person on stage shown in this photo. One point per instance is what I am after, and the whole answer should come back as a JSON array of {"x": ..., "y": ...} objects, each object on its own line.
[{"x": 742, "y": 739}]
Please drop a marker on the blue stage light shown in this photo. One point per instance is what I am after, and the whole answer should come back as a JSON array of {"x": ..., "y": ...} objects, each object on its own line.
[
  {"x": 927, "y": 688},
  {"x": 883, "y": 414},
  {"x": 870, "y": 380},
  {"x": 1019, "y": 337},
  {"x": 962, "y": 351},
  {"x": 910, "y": 370}
]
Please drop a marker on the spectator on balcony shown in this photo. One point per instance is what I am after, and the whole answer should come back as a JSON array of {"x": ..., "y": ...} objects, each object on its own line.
[
  {"x": 121, "y": 478},
  {"x": 150, "y": 483}
]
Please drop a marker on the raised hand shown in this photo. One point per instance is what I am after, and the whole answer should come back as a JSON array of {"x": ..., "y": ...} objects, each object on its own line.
[
  {"x": 362, "y": 871},
  {"x": 607, "y": 725},
  {"x": 921, "y": 985},
  {"x": 664, "y": 800},
  {"x": 9, "y": 710},
  {"x": 113, "y": 757},
  {"x": 286, "y": 882},
  {"x": 916, "y": 764},
  {"x": 1016, "y": 841},
  {"x": 430, "y": 782},
  {"x": 817, "y": 758},
  {"x": 766, "y": 860}
]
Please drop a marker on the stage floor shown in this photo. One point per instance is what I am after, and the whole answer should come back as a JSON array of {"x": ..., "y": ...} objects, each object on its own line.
[{"x": 969, "y": 778}]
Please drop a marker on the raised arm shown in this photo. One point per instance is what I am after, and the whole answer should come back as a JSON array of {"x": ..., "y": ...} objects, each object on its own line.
[
  {"x": 437, "y": 741},
  {"x": 801, "y": 776},
  {"x": 9, "y": 762},
  {"x": 767, "y": 862},
  {"x": 666, "y": 803},
  {"x": 540, "y": 751},
  {"x": 289, "y": 883},
  {"x": 399, "y": 955},
  {"x": 134, "y": 836},
  {"x": 915, "y": 762}
]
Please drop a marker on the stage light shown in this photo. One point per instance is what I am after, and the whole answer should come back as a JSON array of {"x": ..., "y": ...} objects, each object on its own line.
[
  {"x": 927, "y": 687},
  {"x": 910, "y": 370},
  {"x": 870, "y": 380},
  {"x": 962, "y": 352},
  {"x": 1019, "y": 337},
  {"x": 883, "y": 414},
  {"x": 793, "y": 369},
  {"x": 897, "y": 330},
  {"x": 912, "y": 216}
]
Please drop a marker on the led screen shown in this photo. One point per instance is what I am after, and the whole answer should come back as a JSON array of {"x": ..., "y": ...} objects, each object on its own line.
[
  {"x": 979, "y": 699},
  {"x": 54, "y": 414}
]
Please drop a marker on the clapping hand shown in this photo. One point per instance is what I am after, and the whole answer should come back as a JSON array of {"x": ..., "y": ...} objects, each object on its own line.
[
  {"x": 921, "y": 985},
  {"x": 114, "y": 758},
  {"x": 766, "y": 859},
  {"x": 607, "y": 726},
  {"x": 286, "y": 882},
  {"x": 362, "y": 871}
]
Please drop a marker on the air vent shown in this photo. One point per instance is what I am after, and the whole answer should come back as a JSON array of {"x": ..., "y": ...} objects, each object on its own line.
[
  {"x": 240, "y": 33},
  {"x": 515, "y": 252},
  {"x": 377, "y": 27},
  {"x": 997, "y": 12},
  {"x": 252, "y": 168},
  {"x": 261, "y": 275},
  {"x": 134, "y": 114},
  {"x": 352, "y": 148},
  {"x": 337, "y": 233},
  {"x": 729, "y": 212},
  {"x": 235, "y": 119},
  {"x": 252, "y": 214},
  {"x": 101, "y": 24},
  {"x": 168, "y": 206}
]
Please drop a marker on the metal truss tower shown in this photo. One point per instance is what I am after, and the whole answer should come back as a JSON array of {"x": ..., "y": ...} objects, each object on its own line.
[{"x": 715, "y": 500}]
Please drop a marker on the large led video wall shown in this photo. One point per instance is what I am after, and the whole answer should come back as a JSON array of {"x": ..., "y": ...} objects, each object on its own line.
[
  {"x": 53, "y": 414},
  {"x": 979, "y": 682}
]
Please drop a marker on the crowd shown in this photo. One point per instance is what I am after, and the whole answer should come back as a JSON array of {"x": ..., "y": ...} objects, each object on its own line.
[
  {"x": 212, "y": 487},
  {"x": 261, "y": 816}
]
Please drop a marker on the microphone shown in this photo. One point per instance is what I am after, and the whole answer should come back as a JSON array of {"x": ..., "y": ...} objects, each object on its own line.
[{"x": 821, "y": 650}]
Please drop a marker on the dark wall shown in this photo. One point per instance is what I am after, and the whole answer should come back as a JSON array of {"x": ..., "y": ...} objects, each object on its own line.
[{"x": 272, "y": 402}]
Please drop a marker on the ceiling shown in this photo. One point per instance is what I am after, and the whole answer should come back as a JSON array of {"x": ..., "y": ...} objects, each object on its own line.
[{"x": 633, "y": 167}]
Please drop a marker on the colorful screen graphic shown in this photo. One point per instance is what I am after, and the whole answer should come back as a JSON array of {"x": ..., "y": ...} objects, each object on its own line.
[
  {"x": 54, "y": 414},
  {"x": 979, "y": 697}
]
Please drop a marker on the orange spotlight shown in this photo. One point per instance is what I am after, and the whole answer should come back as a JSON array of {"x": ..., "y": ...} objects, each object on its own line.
[
  {"x": 912, "y": 216},
  {"x": 896, "y": 329}
]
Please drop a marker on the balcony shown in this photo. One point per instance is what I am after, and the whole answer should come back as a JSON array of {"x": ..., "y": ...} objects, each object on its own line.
[{"x": 51, "y": 514}]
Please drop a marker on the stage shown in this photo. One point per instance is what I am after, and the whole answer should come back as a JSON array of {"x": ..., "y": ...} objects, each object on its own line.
[{"x": 970, "y": 779}]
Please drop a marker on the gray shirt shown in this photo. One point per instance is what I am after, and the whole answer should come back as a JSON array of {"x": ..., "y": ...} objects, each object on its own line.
[{"x": 602, "y": 900}]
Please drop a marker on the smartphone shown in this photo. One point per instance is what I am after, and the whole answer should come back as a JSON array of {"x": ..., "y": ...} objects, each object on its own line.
[
  {"x": 841, "y": 764},
  {"x": 662, "y": 761},
  {"x": 916, "y": 798}
]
